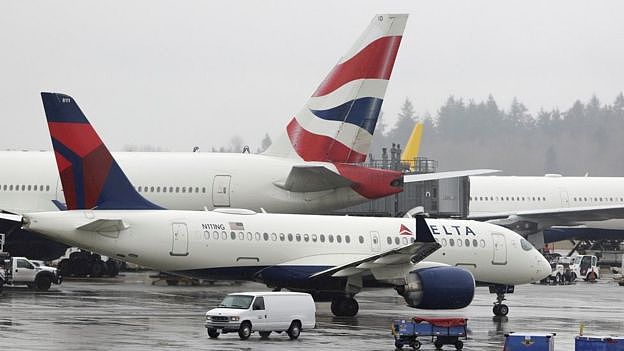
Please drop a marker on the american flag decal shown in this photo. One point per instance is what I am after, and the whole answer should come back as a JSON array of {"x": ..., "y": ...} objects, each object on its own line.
[
  {"x": 237, "y": 226},
  {"x": 405, "y": 230}
]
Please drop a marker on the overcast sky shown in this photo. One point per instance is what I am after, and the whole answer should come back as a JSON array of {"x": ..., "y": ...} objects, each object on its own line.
[{"x": 176, "y": 74}]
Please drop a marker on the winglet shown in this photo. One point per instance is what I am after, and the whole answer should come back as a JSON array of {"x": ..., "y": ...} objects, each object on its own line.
[
  {"x": 90, "y": 176},
  {"x": 423, "y": 232}
]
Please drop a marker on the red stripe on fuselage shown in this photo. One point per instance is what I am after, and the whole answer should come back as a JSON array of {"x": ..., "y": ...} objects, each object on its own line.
[
  {"x": 80, "y": 138},
  {"x": 372, "y": 183},
  {"x": 315, "y": 147},
  {"x": 375, "y": 61}
]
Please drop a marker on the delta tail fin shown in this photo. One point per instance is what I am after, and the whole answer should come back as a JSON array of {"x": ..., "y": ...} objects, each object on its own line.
[
  {"x": 338, "y": 121},
  {"x": 91, "y": 178}
]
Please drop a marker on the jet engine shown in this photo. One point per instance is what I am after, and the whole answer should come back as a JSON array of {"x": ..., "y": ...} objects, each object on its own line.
[{"x": 438, "y": 288}]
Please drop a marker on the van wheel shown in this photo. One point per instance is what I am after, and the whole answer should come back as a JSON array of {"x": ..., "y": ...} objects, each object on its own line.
[
  {"x": 212, "y": 333},
  {"x": 264, "y": 334},
  {"x": 294, "y": 330},
  {"x": 43, "y": 283},
  {"x": 244, "y": 332}
]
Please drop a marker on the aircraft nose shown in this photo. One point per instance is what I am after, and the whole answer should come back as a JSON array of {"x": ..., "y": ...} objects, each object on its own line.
[{"x": 543, "y": 267}]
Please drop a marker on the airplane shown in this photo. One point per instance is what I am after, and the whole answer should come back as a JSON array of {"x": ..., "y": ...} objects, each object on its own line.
[
  {"x": 552, "y": 207},
  {"x": 310, "y": 168},
  {"x": 432, "y": 263}
]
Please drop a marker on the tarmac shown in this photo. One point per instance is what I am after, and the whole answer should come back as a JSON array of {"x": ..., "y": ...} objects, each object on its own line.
[{"x": 129, "y": 313}]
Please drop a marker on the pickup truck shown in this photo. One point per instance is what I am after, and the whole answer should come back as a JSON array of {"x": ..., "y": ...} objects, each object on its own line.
[{"x": 21, "y": 271}]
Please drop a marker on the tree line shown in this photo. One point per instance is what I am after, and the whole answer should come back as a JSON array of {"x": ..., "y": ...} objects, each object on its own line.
[{"x": 587, "y": 138}]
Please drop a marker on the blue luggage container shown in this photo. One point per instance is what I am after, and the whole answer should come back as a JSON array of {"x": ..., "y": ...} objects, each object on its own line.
[
  {"x": 529, "y": 342},
  {"x": 597, "y": 343},
  {"x": 443, "y": 331}
]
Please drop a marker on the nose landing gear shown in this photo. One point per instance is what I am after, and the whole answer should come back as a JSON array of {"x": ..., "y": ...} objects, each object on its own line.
[{"x": 500, "y": 309}]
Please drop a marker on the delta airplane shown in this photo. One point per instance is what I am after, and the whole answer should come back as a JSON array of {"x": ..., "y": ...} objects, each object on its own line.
[
  {"x": 551, "y": 208},
  {"x": 308, "y": 169},
  {"x": 432, "y": 263}
]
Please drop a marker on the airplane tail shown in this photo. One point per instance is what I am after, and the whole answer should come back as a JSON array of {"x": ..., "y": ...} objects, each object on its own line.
[
  {"x": 338, "y": 121},
  {"x": 410, "y": 153},
  {"x": 90, "y": 176}
]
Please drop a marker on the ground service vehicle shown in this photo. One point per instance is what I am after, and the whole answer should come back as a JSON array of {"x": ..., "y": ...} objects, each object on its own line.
[
  {"x": 585, "y": 267},
  {"x": 20, "y": 271},
  {"x": 264, "y": 312}
]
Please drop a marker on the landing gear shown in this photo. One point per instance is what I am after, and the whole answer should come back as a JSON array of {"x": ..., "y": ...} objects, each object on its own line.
[
  {"x": 344, "y": 306},
  {"x": 500, "y": 309}
]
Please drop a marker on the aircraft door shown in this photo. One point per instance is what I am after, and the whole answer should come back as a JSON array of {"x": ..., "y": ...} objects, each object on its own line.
[
  {"x": 221, "y": 191},
  {"x": 179, "y": 240},
  {"x": 375, "y": 244},
  {"x": 565, "y": 200},
  {"x": 500, "y": 249}
]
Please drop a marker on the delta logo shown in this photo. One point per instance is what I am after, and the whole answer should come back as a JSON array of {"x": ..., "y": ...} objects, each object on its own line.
[{"x": 405, "y": 230}]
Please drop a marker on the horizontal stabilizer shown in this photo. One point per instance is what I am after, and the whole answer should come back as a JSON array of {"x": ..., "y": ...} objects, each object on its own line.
[
  {"x": 410, "y": 178},
  {"x": 104, "y": 226},
  {"x": 11, "y": 217},
  {"x": 555, "y": 216},
  {"x": 311, "y": 178}
]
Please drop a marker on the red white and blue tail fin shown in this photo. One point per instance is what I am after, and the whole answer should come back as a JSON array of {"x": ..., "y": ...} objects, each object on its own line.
[
  {"x": 338, "y": 121},
  {"x": 90, "y": 176}
]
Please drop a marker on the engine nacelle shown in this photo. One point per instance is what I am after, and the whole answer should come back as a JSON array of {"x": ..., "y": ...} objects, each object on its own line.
[{"x": 438, "y": 288}]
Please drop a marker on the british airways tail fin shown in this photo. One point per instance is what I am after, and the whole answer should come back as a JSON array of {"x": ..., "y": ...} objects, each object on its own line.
[
  {"x": 90, "y": 176},
  {"x": 338, "y": 121}
]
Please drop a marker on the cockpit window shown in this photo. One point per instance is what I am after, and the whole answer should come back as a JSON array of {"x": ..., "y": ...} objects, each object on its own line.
[{"x": 526, "y": 246}]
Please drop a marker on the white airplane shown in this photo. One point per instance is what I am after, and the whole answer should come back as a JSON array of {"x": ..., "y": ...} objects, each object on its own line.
[
  {"x": 308, "y": 169},
  {"x": 432, "y": 263},
  {"x": 551, "y": 208}
]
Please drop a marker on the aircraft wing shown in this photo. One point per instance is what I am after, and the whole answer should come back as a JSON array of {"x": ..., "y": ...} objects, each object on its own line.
[
  {"x": 311, "y": 178},
  {"x": 556, "y": 216},
  {"x": 415, "y": 252},
  {"x": 410, "y": 178}
]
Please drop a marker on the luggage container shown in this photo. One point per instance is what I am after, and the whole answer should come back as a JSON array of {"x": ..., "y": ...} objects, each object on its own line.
[
  {"x": 598, "y": 343},
  {"x": 529, "y": 342}
]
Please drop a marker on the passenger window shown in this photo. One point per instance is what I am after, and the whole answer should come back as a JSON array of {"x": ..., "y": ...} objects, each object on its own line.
[
  {"x": 164, "y": 189},
  {"x": 330, "y": 238},
  {"x": 451, "y": 242},
  {"x": 196, "y": 189},
  {"x": 233, "y": 235},
  {"x": 389, "y": 240},
  {"x": 11, "y": 187},
  {"x": 397, "y": 240},
  {"x": 29, "y": 187},
  {"x": 249, "y": 236},
  {"x": 322, "y": 237},
  {"x": 482, "y": 243},
  {"x": 443, "y": 242},
  {"x": 183, "y": 189},
  {"x": 4, "y": 187},
  {"x": 314, "y": 237},
  {"x": 347, "y": 239},
  {"x": 23, "y": 187},
  {"x": 223, "y": 235},
  {"x": 405, "y": 241},
  {"x": 290, "y": 237},
  {"x": 258, "y": 304},
  {"x": 158, "y": 189},
  {"x": 257, "y": 236},
  {"x": 298, "y": 237},
  {"x": 204, "y": 190},
  {"x": 338, "y": 238},
  {"x": 361, "y": 239},
  {"x": 265, "y": 236},
  {"x": 273, "y": 236},
  {"x": 475, "y": 243},
  {"x": 151, "y": 189},
  {"x": 190, "y": 188},
  {"x": 206, "y": 235},
  {"x": 241, "y": 236},
  {"x": 459, "y": 242},
  {"x": 282, "y": 237},
  {"x": 215, "y": 235},
  {"x": 467, "y": 242},
  {"x": 177, "y": 189},
  {"x": 170, "y": 189},
  {"x": 306, "y": 237}
]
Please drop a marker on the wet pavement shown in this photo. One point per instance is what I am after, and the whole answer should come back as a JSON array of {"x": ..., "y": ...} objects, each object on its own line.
[{"x": 128, "y": 313}]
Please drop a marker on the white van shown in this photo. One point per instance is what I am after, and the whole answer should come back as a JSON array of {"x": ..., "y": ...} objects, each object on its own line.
[{"x": 264, "y": 312}]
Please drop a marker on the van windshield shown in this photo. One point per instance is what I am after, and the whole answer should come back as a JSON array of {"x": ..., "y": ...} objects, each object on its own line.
[{"x": 236, "y": 301}]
